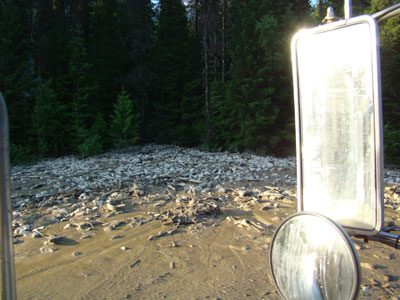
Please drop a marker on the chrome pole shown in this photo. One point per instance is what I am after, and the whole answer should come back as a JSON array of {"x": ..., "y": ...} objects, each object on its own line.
[
  {"x": 387, "y": 13},
  {"x": 347, "y": 9},
  {"x": 8, "y": 291}
]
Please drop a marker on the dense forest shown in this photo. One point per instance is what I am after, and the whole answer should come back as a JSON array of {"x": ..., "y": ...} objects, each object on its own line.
[{"x": 85, "y": 76}]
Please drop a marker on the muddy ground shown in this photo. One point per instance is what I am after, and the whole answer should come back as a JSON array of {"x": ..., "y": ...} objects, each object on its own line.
[{"x": 171, "y": 242}]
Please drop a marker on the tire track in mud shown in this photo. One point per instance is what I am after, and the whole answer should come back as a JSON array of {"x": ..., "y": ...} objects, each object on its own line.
[
  {"x": 121, "y": 274},
  {"x": 241, "y": 272},
  {"x": 230, "y": 247},
  {"x": 209, "y": 248}
]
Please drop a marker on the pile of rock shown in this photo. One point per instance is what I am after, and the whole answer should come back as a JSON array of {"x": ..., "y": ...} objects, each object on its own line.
[
  {"x": 152, "y": 164},
  {"x": 77, "y": 208},
  {"x": 392, "y": 197},
  {"x": 193, "y": 184},
  {"x": 392, "y": 176}
]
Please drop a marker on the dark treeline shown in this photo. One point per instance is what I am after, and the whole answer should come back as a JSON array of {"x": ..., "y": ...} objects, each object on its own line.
[{"x": 81, "y": 77}]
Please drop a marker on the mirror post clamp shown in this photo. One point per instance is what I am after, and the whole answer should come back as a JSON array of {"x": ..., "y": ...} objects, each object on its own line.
[{"x": 390, "y": 239}]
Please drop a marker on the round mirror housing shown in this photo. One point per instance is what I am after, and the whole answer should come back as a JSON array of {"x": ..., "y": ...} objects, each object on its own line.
[{"x": 312, "y": 257}]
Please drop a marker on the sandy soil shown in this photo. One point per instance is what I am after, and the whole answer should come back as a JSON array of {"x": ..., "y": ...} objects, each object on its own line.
[{"x": 219, "y": 257}]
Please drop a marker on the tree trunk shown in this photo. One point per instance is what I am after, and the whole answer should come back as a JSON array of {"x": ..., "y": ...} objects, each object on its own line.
[
  {"x": 207, "y": 85},
  {"x": 223, "y": 41},
  {"x": 196, "y": 19},
  {"x": 320, "y": 13}
]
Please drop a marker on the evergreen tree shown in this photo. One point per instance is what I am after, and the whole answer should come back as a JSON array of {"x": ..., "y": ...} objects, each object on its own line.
[
  {"x": 95, "y": 139},
  {"x": 82, "y": 87},
  {"x": 170, "y": 57},
  {"x": 209, "y": 27},
  {"x": 106, "y": 52},
  {"x": 99, "y": 131},
  {"x": 48, "y": 121},
  {"x": 191, "y": 130},
  {"x": 124, "y": 126},
  {"x": 15, "y": 69},
  {"x": 137, "y": 28},
  {"x": 192, "y": 127},
  {"x": 258, "y": 87},
  {"x": 52, "y": 51},
  {"x": 390, "y": 66},
  {"x": 360, "y": 7},
  {"x": 218, "y": 72}
]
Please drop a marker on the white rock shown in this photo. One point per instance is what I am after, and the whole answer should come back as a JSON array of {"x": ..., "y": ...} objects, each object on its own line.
[
  {"x": 36, "y": 234},
  {"x": 69, "y": 226},
  {"x": 47, "y": 249},
  {"x": 21, "y": 231},
  {"x": 98, "y": 202}
]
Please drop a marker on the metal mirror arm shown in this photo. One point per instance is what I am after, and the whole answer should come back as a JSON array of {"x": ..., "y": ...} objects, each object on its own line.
[
  {"x": 390, "y": 239},
  {"x": 379, "y": 16},
  {"x": 391, "y": 228},
  {"x": 7, "y": 272},
  {"x": 387, "y": 13}
]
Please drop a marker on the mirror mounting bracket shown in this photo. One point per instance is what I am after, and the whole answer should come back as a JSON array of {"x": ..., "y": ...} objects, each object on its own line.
[
  {"x": 385, "y": 237},
  {"x": 387, "y": 13}
]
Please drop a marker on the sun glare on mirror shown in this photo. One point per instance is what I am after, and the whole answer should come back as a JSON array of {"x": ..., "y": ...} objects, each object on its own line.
[{"x": 337, "y": 124}]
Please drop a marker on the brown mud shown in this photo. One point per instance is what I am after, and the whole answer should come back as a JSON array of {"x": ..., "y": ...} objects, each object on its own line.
[{"x": 220, "y": 256}]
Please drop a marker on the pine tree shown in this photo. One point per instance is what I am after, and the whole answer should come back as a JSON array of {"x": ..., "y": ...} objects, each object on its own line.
[
  {"x": 137, "y": 29},
  {"x": 106, "y": 52},
  {"x": 209, "y": 33},
  {"x": 95, "y": 139},
  {"x": 256, "y": 111},
  {"x": 191, "y": 130},
  {"x": 170, "y": 57},
  {"x": 192, "y": 127},
  {"x": 209, "y": 22},
  {"x": 52, "y": 51},
  {"x": 48, "y": 121},
  {"x": 250, "y": 85},
  {"x": 16, "y": 80},
  {"x": 82, "y": 88},
  {"x": 390, "y": 66},
  {"x": 125, "y": 125},
  {"x": 360, "y": 7}
]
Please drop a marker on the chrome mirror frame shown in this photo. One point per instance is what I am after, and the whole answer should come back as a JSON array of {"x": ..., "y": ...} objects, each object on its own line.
[
  {"x": 377, "y": 131},
  {"x": 306, "y": 264}
]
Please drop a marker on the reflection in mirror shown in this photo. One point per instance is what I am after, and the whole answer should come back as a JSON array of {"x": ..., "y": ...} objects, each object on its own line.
[
  {"x": 338, "y": 115},
  {"x": 313, "y": 258}
]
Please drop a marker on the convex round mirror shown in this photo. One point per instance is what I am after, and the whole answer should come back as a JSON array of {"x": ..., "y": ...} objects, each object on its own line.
[{"x": 312, "y": 257}]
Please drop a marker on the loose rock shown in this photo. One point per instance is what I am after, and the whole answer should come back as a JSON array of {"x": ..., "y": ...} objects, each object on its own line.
[{"x": 47, "y": 250}]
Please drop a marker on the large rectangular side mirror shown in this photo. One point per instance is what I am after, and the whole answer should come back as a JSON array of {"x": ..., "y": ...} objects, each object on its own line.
[{"x": 337, "y": 90}]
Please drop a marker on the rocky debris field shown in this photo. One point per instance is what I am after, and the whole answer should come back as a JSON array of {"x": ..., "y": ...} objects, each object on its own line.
[
  {"x": 149, "y": 165},
  {"x": 160, "y": 215},
  {"x": 64, "y": 189}
]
